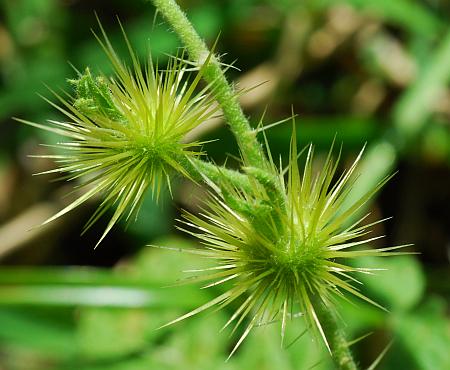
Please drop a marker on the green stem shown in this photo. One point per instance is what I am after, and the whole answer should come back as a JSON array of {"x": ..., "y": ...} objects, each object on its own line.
[
  {"x": 199, "y": 169},
  {"x": 342, "y": 357},
  {"x": 224, "y": 93}
]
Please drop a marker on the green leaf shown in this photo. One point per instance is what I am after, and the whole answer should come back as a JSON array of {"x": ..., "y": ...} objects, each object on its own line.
[
  {"x": 153, "y": 219},
  {"x": 414, "y": 107},
  {"x": 165, "y": 267},
  {"x": 89, "y": 287},
  {"x": 426, "y": 335},
  {"x": 410, "y": 15},
  {"x": 262, "y": 349},
  {"x": 208, "y": 19},
  {"x": 50, "y": 332},
  {"x": 360, "y": 317},
  {"x": 400, "y": 287},
  {"x": 109, "y": 333},
  {"x": 194, "y": 344}
]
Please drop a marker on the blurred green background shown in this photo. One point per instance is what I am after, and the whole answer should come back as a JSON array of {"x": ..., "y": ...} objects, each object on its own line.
[{"x": 374, "y": 72}]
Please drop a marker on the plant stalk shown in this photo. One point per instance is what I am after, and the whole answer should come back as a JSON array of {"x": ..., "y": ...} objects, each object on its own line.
[
  {"x": 200, "y": 170},
  {"x": 224, "y": 93},
  {"x": 340, "y": 352}
]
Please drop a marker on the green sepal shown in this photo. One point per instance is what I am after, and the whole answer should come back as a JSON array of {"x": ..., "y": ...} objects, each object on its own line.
[{"x": 93, "y": 97}]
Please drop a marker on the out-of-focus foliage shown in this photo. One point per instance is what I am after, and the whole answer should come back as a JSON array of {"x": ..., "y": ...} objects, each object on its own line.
[{"x": 360, "y": 70}]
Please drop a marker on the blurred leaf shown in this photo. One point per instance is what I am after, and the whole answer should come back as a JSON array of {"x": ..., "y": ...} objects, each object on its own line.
[
  {"x": 207, "y": 19},
  {"x": 109, "y": 333},
  {"x": 426, "y": 334},
  {"x": 138, "y": 362},
  {"x": 44, "y": 332},
  {"x": 377, "y": 162},
  {"x": 148, "y": 263},
  {"x": 414, "y": 107},
  {"x": 400, "y": 287},
  {"x": 195, "y": 344},
  {"x": 411, "y": 15},
  {"x": 36, "y": 55},
  {"x": 360, "y": 318},
  {"x": 154, "y": 218},
  {"x": 262, "y": 350},
  {"x": 88, "y": 287},
  {"x": 436, "y": 143},
  {"x": 144, "y": 39}
]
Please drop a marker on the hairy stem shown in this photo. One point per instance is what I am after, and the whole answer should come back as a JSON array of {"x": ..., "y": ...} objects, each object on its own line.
[
  {"x": 342, "y": 357},
  {"x": 199, "y": 170},
  {"x": 225, "y": 94}
]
